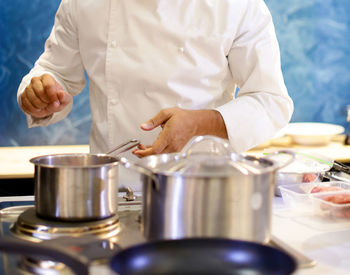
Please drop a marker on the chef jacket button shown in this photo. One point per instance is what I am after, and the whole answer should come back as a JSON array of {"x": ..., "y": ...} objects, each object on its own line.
[
  {"x": 113, "y": 43},
  {"x": 114, "y": 101}
]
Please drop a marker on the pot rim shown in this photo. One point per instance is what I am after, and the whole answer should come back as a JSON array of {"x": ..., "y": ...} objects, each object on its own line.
[
  {"x": 211, "y": 177},
  {"x": 173, "y": 156},
  {"x": 37, "y": 161}
]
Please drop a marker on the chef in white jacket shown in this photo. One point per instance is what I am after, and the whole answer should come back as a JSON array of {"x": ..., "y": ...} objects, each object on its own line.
[{"x": 162, "y": 71}]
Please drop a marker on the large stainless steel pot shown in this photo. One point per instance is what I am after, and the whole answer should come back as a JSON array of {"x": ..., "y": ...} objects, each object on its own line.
[
  {"x": 77, "y": 187},
  {"x": 207, "y": 191}
]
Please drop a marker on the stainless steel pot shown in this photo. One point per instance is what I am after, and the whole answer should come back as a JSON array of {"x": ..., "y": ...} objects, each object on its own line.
[
  {"x": 77, "y": 187},
  {"x": 207, "y": 191}
]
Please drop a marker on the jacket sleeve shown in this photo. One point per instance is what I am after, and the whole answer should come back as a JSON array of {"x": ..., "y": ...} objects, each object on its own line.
[
  {"x": 262, "y": 105},
  {"x": 61, "y": 59}
]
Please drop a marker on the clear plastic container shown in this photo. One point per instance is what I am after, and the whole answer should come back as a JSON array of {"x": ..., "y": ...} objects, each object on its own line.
[
  {"x": 297, "y": 196},
  {"x": 332, "y": 206}
]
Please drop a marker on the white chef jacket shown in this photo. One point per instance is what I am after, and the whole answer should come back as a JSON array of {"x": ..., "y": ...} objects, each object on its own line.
[{"x": 145, "y": 55}]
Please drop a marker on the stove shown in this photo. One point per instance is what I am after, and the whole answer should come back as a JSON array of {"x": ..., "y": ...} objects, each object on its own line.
[{"x": 97, "y": 240}]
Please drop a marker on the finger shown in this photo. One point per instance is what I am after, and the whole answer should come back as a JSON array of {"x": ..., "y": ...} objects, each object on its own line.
[
  {"x": 144, "y": 153},
  {"x": 59, "y": 105},
  {"x": 54, "y": 107},
  {"x": 157, "y": 120},
  {"x": 140, "y": 147},
  {"x": 33, "y": 99},
  {"x": 143, "y": 147},
  {"x": 27, "y": 106},
  {"x": 51, "y": 87},
  {"x": 38, "y": 89},
  {"x": 64, "y": 97},
  {"x": 31, "y": 110}
]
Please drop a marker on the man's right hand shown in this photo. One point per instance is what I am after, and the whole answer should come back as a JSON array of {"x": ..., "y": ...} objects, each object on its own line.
[{"x": 44, "y": 96}]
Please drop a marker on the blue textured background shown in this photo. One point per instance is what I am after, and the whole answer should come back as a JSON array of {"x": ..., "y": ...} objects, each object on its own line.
[{"x": 315, "y": 50}]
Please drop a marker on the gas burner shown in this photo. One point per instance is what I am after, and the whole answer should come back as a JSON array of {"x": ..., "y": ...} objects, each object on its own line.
[
  {"x": 33, "y": 228},
  {"x": 96, "y": 241},
  {"x": 93, "y": 250},
  {"x": 33, "y": 266}
]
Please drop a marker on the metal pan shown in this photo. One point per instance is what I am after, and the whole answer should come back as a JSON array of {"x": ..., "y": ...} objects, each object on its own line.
[
  {"x": 184, "y": 256},
  {"x": 202, "y": 256}
]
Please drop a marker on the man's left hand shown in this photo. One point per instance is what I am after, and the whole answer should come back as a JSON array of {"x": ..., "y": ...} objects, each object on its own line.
[{"x": 179, "y": 126}]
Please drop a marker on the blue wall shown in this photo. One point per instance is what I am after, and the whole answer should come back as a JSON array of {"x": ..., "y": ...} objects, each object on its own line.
[
  {"x": 314, "y": 38},
  {"x": 24, "y": 27},
  {"x": 315, "y": 49}
]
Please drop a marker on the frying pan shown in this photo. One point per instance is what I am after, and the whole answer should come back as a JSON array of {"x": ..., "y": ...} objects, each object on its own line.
[
  {"x": 202, "y": 256},
  {"x": 183, "y": 256}
]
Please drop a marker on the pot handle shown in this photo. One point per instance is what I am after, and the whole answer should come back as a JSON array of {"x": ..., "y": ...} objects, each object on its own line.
[
  {"x": 207, "y": 143},
  {"x": 77, "y": 263},
  {"x": 125, "y": 146},
  {"x": 284, "y": 163}
]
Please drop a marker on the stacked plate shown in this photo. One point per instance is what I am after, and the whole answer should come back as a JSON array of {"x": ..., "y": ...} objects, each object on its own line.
[{"x": 309, "y": 133}]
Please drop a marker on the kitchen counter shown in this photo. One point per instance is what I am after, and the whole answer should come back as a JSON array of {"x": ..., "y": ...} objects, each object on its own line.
[
  {"x": 325, "y": 242},
  {"x": 14, "y": 161},
  {"x": 335, "y": 150}
]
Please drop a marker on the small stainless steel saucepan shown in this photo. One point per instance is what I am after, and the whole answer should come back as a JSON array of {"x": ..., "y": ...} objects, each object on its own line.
[{"x": 78, "y": 187}]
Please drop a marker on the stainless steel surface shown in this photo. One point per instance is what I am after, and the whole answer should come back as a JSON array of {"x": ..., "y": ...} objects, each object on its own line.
[
  {"x": 97, "y": 256},
  {"x": 77, "y": 187},
  {"x": 235, "y": 203},
  {"x": 30, "y": 227},
  {"x": 337, "y": 176},
  {"x": 238, "y": 207},
  {"x": 32, "y": 266},
  {"x": 129, "y": 196},
  {"x": 129, "y": 235}
]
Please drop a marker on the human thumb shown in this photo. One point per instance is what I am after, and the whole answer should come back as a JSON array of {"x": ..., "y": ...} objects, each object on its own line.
[{"x": 156, "y": 121}]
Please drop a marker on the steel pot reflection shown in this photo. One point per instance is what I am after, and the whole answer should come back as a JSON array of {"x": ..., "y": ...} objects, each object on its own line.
[
  {"x": 207, "y": 194},
  {"x": 77, "y": 187}
]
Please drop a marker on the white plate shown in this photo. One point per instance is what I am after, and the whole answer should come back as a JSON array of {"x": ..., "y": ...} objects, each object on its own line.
[{"x": 310, "y": 133}]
